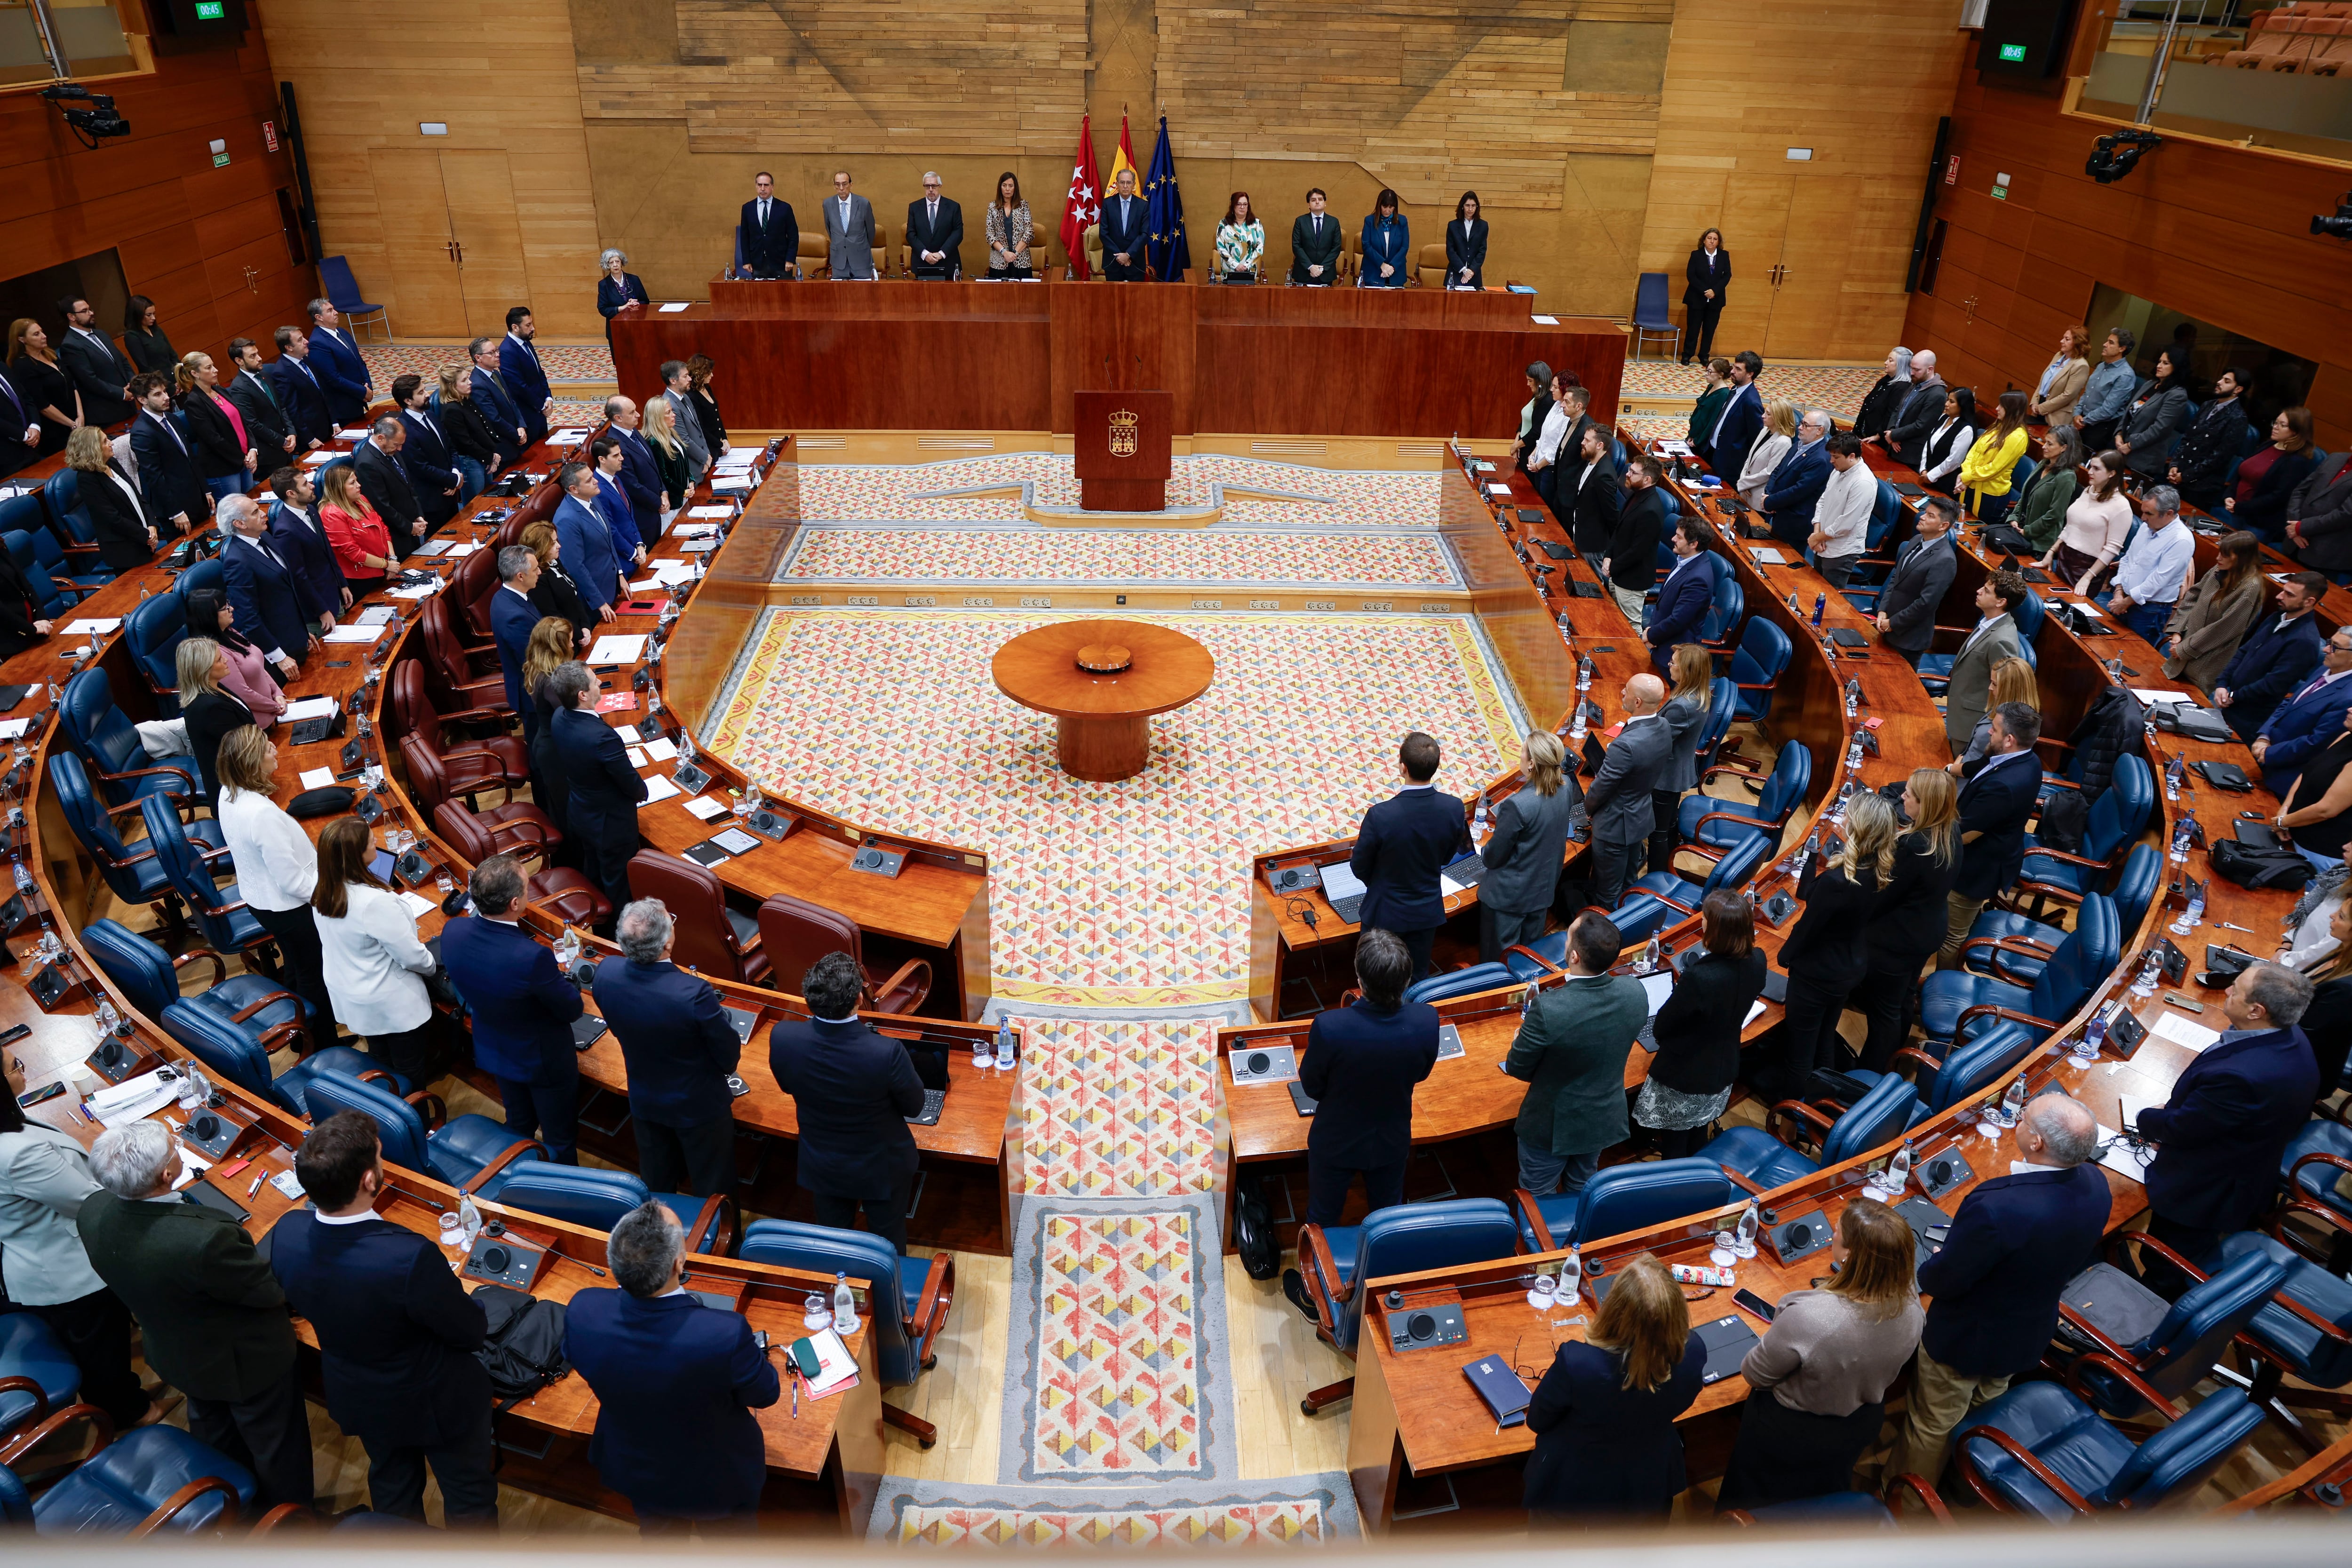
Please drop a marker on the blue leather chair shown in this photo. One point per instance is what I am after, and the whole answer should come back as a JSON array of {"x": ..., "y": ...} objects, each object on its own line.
[
  {"x": 919, "y": 1290},
  {"x": 599, "y": 1200},
  {"x": 1757, "y": 665},
  {"x": 1761, "y": 1159},
  {"x": 2305, "y": 1332},
  {"x": 70, "y": 520},
  {"x": 1401, "y": 1240},
  {"x": 1965, "y": 1071},
  {"x": 1722, "y": 701},
  {"x": 2124, "y": 1381},
  {"x": 1846, "y": 1510},
  {"x": 220, "y": 1042},
  {"x": 2024, "y": 945},
  {"x": 1461, "y": 983},
  {"x": 252, "y": 1005},
  {"x": 2317, "y": 1158},
  {"x": 133, "y": 871},
  {"x": 1876, "y": 559},
  {"x": 1709, "y": 822},
  {"x": 1658, "y": 898},
  {"x": 133, "y": 1485},
  {"x": 109, "y": 743},
  {"x": 23, "y": 515},
  {"x": 73, "y": 580},
  {"x": 1952, "y": 1000},
  {"x": 209, "y": 573},
  {"x": 1650, "y": 317},
  {"x": 155, "y": 629},
  {"x": 1723, "y": 617},
  {"x": 37, "y": 1375},
  {"x": 472, "y": 1153},
  {"x": 2041, "y": 1450},
  {"x": 53, "y": 598},
  {"x": 1620, "y": 1199},
  {"x": 2117, "y": 819},
  {"x": 1935, "y": 668},
  {"x": 226, "y": 924}
]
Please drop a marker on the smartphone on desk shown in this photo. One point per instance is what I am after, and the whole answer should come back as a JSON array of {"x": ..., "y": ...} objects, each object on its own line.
[{"x": 1749, "y": 1300}]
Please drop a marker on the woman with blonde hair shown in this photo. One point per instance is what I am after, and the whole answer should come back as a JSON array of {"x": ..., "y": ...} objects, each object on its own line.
[
  {"x": 556, "y": 595},
  {"x": 225, "y": 459},
  {"x": 1692, "y": 676},
  {"x": 1523, "y": 857},
  {"x": 1912, "y": 916},
  {"x": 1771, "y": 444},
  {"x": 117, "y": 519},
  {"x": 277, "y": 865},
  {"x": 210, "y": 709},
  {"x": 1987, "y": 472},
  {"x": 551, "y": 644},
  {"x": 354, "y": 530},
  {"x": 1820, "y": 1372},
  {"x": 374, "y": 965},
  {"x": 1828, "y": 952},
  {"x": 2010, "y": 681},
  {"x": 2216, "y": 612},
  {"x": 43, "y": 386},
  {"x": 1607, "y": 1449},
  {"x": 2064, "y": 379},
  {"x": 669, "y": 455},
  {"x": 473, "y": 440}
]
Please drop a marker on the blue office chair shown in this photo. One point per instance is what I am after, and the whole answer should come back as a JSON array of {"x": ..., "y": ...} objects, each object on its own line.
[
  {"x": 2317, "y": 1158},
  {"x": 917, "y": 1291},
  {"x": 471, "y": 1153},
  {"x": 1468, "y": 982},
  {"x": 219, "y": 1040},
  {"x": 599, "y": 1200},
  {"x": 252, "y": 1005},
  {"x": 133, "y": 871},
  {"x": 1722, "y": 701},
  {"x": 155, "y": 629},
  {"x": 2117, "y": 819},
  {"x": 2305, "y": 1332},
  {"x": 53, "y": 597},
  {"x": 227, "y": 926},
  {"x": 109, "y": 743},
  {"x": 1730, "y": 604},
  {"x": 1659, "y": 899},
  {"x": 150, "y": 1479},
  {"x": 70, "y": 520},
  {"x": 1935, "y": 668},
  {"x": 206, "y": 574},
  {"x": 76, "y": 577},
  {"x": 2041, "y": 1450},
  {"x": 37, "y": 1373},
  {"x": 1876, "y": 559},
  {"x": 2174, "y": 1345},
  {"x": 1763, "y": 1158},
  {"x": 1965, "y": 1072},
  {"x": 1846, "y": 1510},
  {"x": 343, "y": 291},
  {"x": 1951, "y": 1001},
  {"x": 1401, "y": 1241},
  {"x": 23, "y": 515},
  {"x": 1709, "y": 825},
  {"x": 1650, "y": 317},
  {"x": 1620, "y": 1199},
  {"x": 1755, "y": 666},
  {"x": 2026, "y": 945}
]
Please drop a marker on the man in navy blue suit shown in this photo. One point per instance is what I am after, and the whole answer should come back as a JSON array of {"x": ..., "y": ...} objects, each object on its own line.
[
  {"x": 853, "y": 1090},
  {"x": 639, "y": 476},
  {"x": 300, "y": 540},
  {"x": 522, "y": 1008},
  {"x": 2310, "y": 716},
  {"x": 1796, "y": 486},
  {"x": 680, "y": 1050},
  {"x": 2231, "y": 1114},
  {"x": 602, "y": 792},
  {"x": 1404, "y": 842},
  {"x": 614, "y": 503},
  {"x": 432, "y": 472},
  {"x": 498, "y": 402},
  {"x": 1684, "y": 597},
  {"x": 2014, "y": 1243},
  {"x": 1995, "y": 806},
  {"x": 2279, "y": 651},
  {"x": 275, "y": 606},
  {"x": 342, "y": 368},
  {"x": 676, "y": 1383},
  {"x": 1125, "y": 222},
  {"x": 1743, "y": 415},
  {"x": 512, "y": 619},
  {"x": 1362, "y": 1064},
  {"x": 299, "y": 391},
  {"x": 168, "y": 486},
  {"x": 525, "y": 378},
  {"x": 585, "y": 542},
  {"x": 397, "y": 1332}
]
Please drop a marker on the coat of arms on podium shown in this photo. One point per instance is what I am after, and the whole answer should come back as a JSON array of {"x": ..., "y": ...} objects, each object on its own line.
[{"x": 1123, "y": 429}]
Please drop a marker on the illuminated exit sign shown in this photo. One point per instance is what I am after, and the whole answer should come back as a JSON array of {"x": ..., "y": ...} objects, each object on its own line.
[
  {"x": 2012, "y": 52},
  {"x": 215, "y": 10}
]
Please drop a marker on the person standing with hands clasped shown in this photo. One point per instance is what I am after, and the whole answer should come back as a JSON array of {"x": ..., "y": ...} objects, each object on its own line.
[
  {"x": 1607, "y": 1450},
  {"x": 1571, "y": 1051},
  {"x": 1523, "y": 856},
  {"x": 1402, "y": 844},
  {"x": 1698, "y": 1030},
  {"x": 1828, "y": 952}
]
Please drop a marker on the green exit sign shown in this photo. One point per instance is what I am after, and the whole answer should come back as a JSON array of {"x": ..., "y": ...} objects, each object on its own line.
[
  {"x": 214, "y": 10},
  {"x": 2013, "y": 52}
]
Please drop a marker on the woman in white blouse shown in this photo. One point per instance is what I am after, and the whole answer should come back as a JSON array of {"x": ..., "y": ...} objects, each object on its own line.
[
  {"x": 2098, "y": 520},
  {"x": 276, "y": 866},
  {"x": 1772, "y": 443},
  {"x": 375, "y": 966},
  {"x": 1948, "y": 446}
]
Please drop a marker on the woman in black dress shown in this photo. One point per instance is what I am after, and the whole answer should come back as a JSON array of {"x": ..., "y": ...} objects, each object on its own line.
[
  {"x": 42, "y": 383},
  {"x": 116, "y": 516},
  {"x": 144, "y": 339},
  {"x": 1607, "y": 1450},
  {"x": 1706, "y": 277},
  {"x": 556, "y": 594},
  {"x": 1885, "y": 395},
  {"x": 699, "y": 371},
  {"x": 1466, "y": 244},
  {"x": 1912, "y": 916},
  {"x": 1828, "y": 951},
  {"x": 617, "y": 289},
  {"x": 208, "y": 707},
  {"x": 471, "y": 436},
  {"x": 550, "y": 646},
  {"x": 1697, "y": 1030}
]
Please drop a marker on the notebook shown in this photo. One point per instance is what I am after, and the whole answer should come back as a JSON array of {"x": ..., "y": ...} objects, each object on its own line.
[
  {"x": 1727, "y": 1340},
  {"x": 1506, "y": 1393}
]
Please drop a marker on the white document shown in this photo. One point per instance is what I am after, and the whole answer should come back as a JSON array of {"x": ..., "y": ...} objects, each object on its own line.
[
  {"x": 1498, "y": 490},
  {"x": 309, "y": 708},
  {"x": 1658, "y": 987},
  {"x": 1545, "y": 320},
  {"x": 192, "y": 1165},
  {"x": 1767, "y": 556},
  {"x": 636, "y": 756},
  {"x": 97, "y": 627},
  {"x": 703, "y": 805},
  {"x": 612, "y": 649},
  {"x": 2133, "y": 1105},
  {"x": 628, "y": 733},
  {"x": 423, "y": 591},
  {"x": 566, "y": 437},
  {"x": 669, "y": 573},
  {"x": 2115, "y": 1154},
  {"x": 659, "y": 787},
  {"x": 2151, "y": 698},
  {"x": 668, "y": 309},
  {"x": 721, "y": 511},
  {"x": 319, "y": 459},
  {"x": 1755, "y": 1011},
  {"x": 647, "y": 586},
  {"x": 418, "y": 904},
  {"x": 318, "y": 778},
  {"x": 661, "y": 750},
  {"x": 1447, "y": 887},
  {"x": 835, "y": 1369},
  {"x": 464, "y": 547},
  {"x": 14, "y": 729},
  {"x": 2185, "y": 1032},
  {"x": 1340, "y": 882},
  {"x": 355, "y": 634},
  {"x": 117, "y": 1109}
]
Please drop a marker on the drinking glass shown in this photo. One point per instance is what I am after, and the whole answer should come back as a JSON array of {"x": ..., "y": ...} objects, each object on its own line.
[
  {"x": 815, "y": 1312},
  {"x": 1543, "y": 1292}
]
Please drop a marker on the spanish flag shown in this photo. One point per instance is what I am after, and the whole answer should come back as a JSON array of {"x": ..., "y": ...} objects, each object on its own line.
[{"x": 1125, "y": 160}]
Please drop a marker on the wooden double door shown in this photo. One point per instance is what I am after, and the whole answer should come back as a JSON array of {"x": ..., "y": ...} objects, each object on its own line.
[{"x": 453, "y": 242}]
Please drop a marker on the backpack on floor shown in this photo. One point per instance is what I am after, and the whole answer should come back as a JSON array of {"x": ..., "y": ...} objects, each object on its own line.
[{"x": 1253, "y": 1235}]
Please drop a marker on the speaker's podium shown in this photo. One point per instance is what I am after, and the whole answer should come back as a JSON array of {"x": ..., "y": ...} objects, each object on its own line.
[{"x": 1123, "y": 445}]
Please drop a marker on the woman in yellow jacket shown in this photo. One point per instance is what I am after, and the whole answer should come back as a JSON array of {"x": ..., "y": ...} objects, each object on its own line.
[{"x": 1985, "y": 471}]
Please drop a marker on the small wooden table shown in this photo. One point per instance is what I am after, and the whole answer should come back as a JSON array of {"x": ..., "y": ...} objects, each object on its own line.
[{"x": 1106, "y": 730}]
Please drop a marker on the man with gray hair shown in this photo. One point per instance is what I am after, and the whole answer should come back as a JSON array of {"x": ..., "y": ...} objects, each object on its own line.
[
  {"x": 2154, "y": 566},
  {"x": 513, "y": 617},
  {"x": 2230, "y": 1116},
  {"x": 681, "y": 1052},
  {"x": 676, "y": 1384},
  {"x": 383, "y": 480},
  {"x": 273, "y": 604},
  {"x": 1618, "y": 805},
  {"x": 1795, "y": 489},
  {"x": 935, "y": 232},
  {"x": 2015, "y": 1242},
  {"x": 211, "y": 1313}
]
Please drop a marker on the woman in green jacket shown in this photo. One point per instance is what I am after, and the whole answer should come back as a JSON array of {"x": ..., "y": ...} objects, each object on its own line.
[
  {"x": 2041, "y": 512},
  {"x": 1709, "y": 407}
]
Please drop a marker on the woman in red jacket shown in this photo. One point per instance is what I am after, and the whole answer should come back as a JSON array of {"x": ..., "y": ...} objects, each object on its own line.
[{"x": 362, "y": 543}]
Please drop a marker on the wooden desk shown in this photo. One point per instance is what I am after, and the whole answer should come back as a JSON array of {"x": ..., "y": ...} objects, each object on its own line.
[{"x": 1105, "y": 713}]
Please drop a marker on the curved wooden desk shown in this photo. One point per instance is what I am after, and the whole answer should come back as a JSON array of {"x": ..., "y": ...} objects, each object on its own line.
[{"x": 1105, "y": 713}]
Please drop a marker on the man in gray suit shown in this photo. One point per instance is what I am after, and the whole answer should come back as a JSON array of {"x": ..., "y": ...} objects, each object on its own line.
[
  {"x": 1923, "y": 574},
  {"x": 849, "y": 232},
  {"x": 1570, "y": 1051},
  {"x": 1618, "y": 803},
  {"x": 676, "y": 382},
  {"x": 1530, "y": 841},
  {"x": 1994, "y": 639}
]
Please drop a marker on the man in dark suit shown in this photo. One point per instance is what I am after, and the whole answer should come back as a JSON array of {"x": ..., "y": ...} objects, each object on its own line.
[
  {"x": 525, "y": 378},
  {"x": 1922, "y": 409},
  {"x": 433, "y": 477},
  {"x": 1619, "y": 803},
  {"x": 1125, "y": 225},
  {"x": 1686, "y": 594},
  {"x": 212, "y": 1318},
  {"x": 274, "y": 606},
  {"x": 2014, "y": 1243},
  {"x": 1570, "y": 1051},
  {"x": 397, "y": 1331},
  {"x": 1560, "y": 447},
  {"x": 2214, "y": 442},
  {"x": 676, "y": 1383},
  {"x": 98, "y": 370},
  {"x": 255, "y": 403},
  {"x": 1914, "y": 589},
  {"x": 1404, "y": 842},
  {"x": 1315, "y": 244},
  {"x": 771, "y": 235},
  {"x": 1588, "y": 496},
  {"x": 335, "y": 355},
  {"x": 384, "y": 479},
  {"x": 300, "y": 391},
  {"x": 854, "y": 1091},
  {"x": 2319, "y": 516},
  {"x": 604, "y": 791},
  {"x": 680, "y": 1051},
  {"x": 585, "y": 539},
  {"x": 1743, "y": 415},
  {"x": 169, "y": 489},
  {"x": 497, "y": 399},
  {"x": 640, "y": 477},
  {"x": 935, "y": 233},
  {"x": 522, "y": 1009},
  {"x": 513, "y": 617},
  {"x": 2279, "y": 653},
  {"x": 300, "y": 541},
  {"x": 2308, "y": 718},
  {"x": 1360, "y": 1065},
  {"x": 20, "y": 429},
  {"x": 1632, "y": 562},
  {"x": 1995, "y": 806},
  {"x": 614, "y": 503},
  {"x": 2231, "y": 1115},
  {"x": 1796, "y": 486}
]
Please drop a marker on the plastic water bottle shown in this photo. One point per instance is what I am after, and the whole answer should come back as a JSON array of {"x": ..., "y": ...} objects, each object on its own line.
[
  {"x": 1796, "y": 607},
  {"x": 108, "y": 1020},
  {"x": 981, "y": 1054},
  {"x": 1820, "y": 606},
  {"x": 469, "y": 1220},
  {"x": 1898, "y": 1170},
  {"x": 1567, "y": 632},
  {"x": 2151, "y": 971},
  {"x": 17, "y": 872},
  {"x": 2178, "y": 854},
  {"x": 1004, "y": 1044},
  {"x": 1743, "y": 1235},
  {"x": 1853, "y": 753},
  {"x": 1526, "y": 1004},
  {"x": 1479, "y": 821},
  {"x": 1571, "y": 1278},
  {"x": 2088, "y": 1042},
  {"x": 2195, "y": 904},
  {"x": 2173, "y": 773},
  {"x": 844, "y": 1306},
  {"x": 1653, "y": 956}
]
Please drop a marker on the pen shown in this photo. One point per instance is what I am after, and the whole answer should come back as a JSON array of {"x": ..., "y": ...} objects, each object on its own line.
[
  {"x": 253, "y": 1189},
  {"x": 2231, "y": 925},
  {"x": 796, "y": 1393}
]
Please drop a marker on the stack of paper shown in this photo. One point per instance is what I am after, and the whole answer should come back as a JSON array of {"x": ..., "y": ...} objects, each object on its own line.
[
  {"x": 422, "y": 591},
  {"x": 612, "y": 649},
  {"x": 681, "y": 305},
  {"x": 309, "y": 708},
  {"x": 726, "y": 484},
  {"x": 97, "y": 627},
  {"x": 2185, "y": 1032},
  {"x": 703, "y": 805},
  {"x": 356, "y": 433},
  {"x": 566, "y": 437},
  {"x": 836, "y": 1368},
  {"x": 661, "y": 750},
  {"x": 659, "y": 787},
  {"x": 133, "y": 1099},
  {"x": 355, "y": 634},
  {"x": 717, "y": 511}
]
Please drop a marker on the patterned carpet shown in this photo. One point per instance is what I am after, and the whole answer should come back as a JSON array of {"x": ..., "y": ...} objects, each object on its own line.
[
  {"x": 1119, "y": 1108},
  {"x": 1308, "y": 1510},
  {"x": 941, "y": 491},
  {"x": 567, "y": 364},
  {"x": 1026, "y": 554}
]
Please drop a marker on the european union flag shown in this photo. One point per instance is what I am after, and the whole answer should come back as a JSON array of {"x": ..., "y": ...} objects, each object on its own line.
[{"x": 1165, "y": 248}]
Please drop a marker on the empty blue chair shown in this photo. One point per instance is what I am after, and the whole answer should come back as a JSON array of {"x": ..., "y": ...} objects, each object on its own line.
[
  {"x": 155, "y": 629},
  {"x": 1847, "y": 1509},
  {"x": 51, "y": 1379},
  {"x": 2117, "y": 819},
  {"x": 134, "y": 1483},
  {"x": 1730, "y": 604},
  {"x": 1722, "y": 701},
  {"x": 2317, "y": 1158},
  {"x": 1951, "y": 1001},
  {"x": 1650, "y": 317},
  {"x": 1764, "y": 1160},
  {"x": 133, "y": 871},
  {"x": 1876, "y": 559},
  {"x": 468, "y": 1152},
  {"x": 109, "y": 743},
  {"x": 73, "y": 581},
  {"x": 1966, "y": 1071},
  {"x": 1620, "y": 1199},
  {"x": 2097, "y": 1464},
  {"x": 220, "y": 914},
  {"x": 1659, "y": 899},
  {"x": 599, "y": 1200},
  {"x": 1401, "y": 1241},
  {"x": 1461, "y": 983},
  {"x": 2303, "y": 1332},
  {"x": 906, "y": 1298},
  {"x": 52, "y": 599},
  {"x": 2026, "y": 944},
  {"x": 23, "y": 515},
  {"x": 70, "y": 520},
  {"x": 1755, "y": 666},
  {"x": 252, "y": 1005},
  {"x": 343, "y": 291},
  {"x": 217, "y": 1039},
  {"x": 205, "y": 573},
  {"x": 2183, "y": 1339},
  {"x": 1705, "y": 822}
]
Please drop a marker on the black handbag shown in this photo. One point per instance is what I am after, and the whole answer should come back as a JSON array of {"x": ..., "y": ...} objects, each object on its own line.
[
  {"x": 2197, "y": 724},
  {"x": 2225, "y": 775},
  {"x": 2252, "y": 867}
]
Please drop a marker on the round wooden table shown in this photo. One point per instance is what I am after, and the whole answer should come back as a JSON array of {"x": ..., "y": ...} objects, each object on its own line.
[{"x": 1106, "y": 732}]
